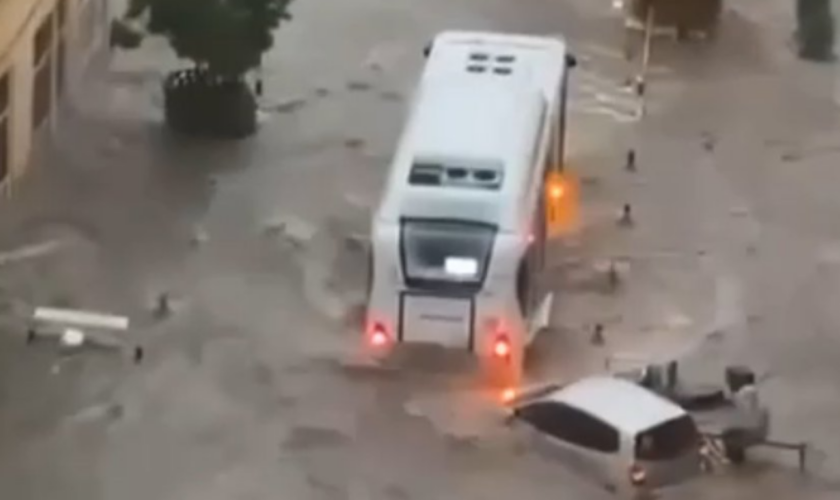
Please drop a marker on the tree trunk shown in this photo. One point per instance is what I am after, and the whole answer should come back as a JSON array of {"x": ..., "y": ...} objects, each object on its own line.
[{"x": 815, "y": 30}]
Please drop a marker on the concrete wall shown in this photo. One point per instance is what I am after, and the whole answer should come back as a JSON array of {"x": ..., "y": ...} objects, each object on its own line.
[{"x": 84, "y": 36}]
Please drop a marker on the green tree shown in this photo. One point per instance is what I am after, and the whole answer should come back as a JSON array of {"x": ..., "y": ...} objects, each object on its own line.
[
  {"x": 815, "y": 30},
  {"x": 222, "y": 37}
]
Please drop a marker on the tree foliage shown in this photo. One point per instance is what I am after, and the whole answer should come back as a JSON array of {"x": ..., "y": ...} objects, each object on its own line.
[{"x": 225, "y": 37}]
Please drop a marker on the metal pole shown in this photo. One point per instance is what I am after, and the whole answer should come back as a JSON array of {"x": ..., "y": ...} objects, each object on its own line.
[{"x": 641, "y": 83}]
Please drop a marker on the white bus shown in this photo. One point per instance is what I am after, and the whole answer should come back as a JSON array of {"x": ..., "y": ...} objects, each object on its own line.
[{"x": 458, "y": 239}]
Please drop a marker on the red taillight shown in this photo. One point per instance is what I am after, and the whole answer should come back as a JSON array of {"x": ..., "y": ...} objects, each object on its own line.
[
  {"x": 638, "y": 475},
  {"x": 508, "y": 395},
  {"x": 501, "y": 346},
  {"x": 378, "y": 335}
]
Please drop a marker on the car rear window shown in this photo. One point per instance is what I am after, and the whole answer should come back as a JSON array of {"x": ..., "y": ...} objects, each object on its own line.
[{"x": 667, "y": 440}]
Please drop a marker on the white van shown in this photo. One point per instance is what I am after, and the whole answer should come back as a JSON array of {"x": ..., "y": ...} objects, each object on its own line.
[
  {"x": 459, "y": 236},
  {"x": 613, "y": 432}
]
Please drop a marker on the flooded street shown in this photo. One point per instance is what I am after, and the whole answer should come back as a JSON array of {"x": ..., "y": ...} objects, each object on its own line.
[{"x": 249, "y": 389}]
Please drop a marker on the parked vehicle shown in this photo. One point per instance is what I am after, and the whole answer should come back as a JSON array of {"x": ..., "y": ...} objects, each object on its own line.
[{"x": 614, "y": 432}]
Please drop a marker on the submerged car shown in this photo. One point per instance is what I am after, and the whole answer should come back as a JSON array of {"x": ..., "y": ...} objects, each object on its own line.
[{"x": 614, "y": 432}]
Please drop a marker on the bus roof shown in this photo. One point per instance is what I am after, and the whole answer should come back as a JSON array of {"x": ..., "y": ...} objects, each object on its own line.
[
  {"x": 470, "y": 120},
  {"x": 478, "y": 112}
]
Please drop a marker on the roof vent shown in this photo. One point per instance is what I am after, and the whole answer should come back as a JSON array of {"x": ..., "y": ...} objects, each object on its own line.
[
  {"x": 426, "y": 174},
  {"x": 479, "y": 56},
  {"x": 476, "y": 68},
  {"x": 506, "y": 59},
  {"x": 457, "y": 173},
  {"x": 431, "y": 174},
  {"x": 502, "y": 71},
  {"x": 486, "y": 176}
]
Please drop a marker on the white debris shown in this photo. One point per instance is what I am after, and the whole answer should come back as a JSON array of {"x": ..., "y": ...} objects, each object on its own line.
[
  {"x": 29, "y": 252},
  {"x": 72, "y": 337},
  {"x": 287, "y": 105},
  {"x": 358, "y": 201},
  {"x": 199, "y": 236},
  {"x": 677, "y": 321},
  {"x": 97, "y": 412},
  {"x": 383, "y": 56},
  {"x": 606, "y": 266},
  {"x": 292, "y": 228},
  {"x": 263, "y": 117},
  {"x": 80, "y": 318}
]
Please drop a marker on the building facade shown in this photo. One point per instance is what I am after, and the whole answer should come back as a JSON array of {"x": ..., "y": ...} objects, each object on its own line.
[{"x": 45, "y": 48}]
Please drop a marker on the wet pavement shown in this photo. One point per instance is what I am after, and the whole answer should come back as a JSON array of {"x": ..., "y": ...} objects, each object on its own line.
[{"x": 246, "y": 391}]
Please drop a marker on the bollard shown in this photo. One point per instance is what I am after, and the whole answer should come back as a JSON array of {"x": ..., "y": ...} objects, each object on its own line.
[
  {"x": 630, "y": 165},
  {"x": 138, "y": 355},
  {"x": 598, "y": 335},
  {"x": 708, "y": 142},
  {"x": 639, "y": 86},
  {"x": 163, "y": 307},
  {"x": 626, "y": 218},
  {"x": 613, "y": 277}
]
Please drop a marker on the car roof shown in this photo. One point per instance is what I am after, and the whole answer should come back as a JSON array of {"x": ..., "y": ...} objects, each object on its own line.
[{"x": 620, "y": 403}]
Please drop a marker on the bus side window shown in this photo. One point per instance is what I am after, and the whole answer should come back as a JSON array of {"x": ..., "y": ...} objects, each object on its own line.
[
  {"x": 540, "y": 233},
  {"x": 552, "y": 157},
  {"x": 523, "y": 286},
  {"x": 559, "y": 135}
]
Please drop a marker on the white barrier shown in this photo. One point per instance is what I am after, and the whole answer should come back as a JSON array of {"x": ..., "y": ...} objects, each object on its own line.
[{"x": 79, "y": 318}]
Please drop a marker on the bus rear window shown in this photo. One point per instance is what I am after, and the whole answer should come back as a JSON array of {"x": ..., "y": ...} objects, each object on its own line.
[
  {"x": 667, "y": 440},
  {"x": 436, "y": 252}
]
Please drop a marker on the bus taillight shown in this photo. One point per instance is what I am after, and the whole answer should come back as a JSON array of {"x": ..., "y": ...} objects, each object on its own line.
[
  {"x": 378, "y": 335},
  {"x": 501, "y": 346},
  {"x": 508, "y": 395}
]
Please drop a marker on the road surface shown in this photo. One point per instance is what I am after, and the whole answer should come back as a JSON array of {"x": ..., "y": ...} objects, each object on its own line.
[{"x": 246, "y": 391}]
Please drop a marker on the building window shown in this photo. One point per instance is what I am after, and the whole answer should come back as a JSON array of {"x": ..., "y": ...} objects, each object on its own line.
[
  {"x": 42, "y": 96},
  {"x": 5, "y": 129}
]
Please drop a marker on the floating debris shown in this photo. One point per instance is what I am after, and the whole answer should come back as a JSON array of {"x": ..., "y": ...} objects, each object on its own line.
[
  {"x": 287, "y": 105},
  {"x": 199, "y": 237},
  {"x": 391, "y": 95},
  {"x": 297, "y": 231},
  {"x": 72, "y": 338},
  {"x": 358, "y": 86},
  {"x": 29, "y": 252},
  {"x": 354, "y": 143}
]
